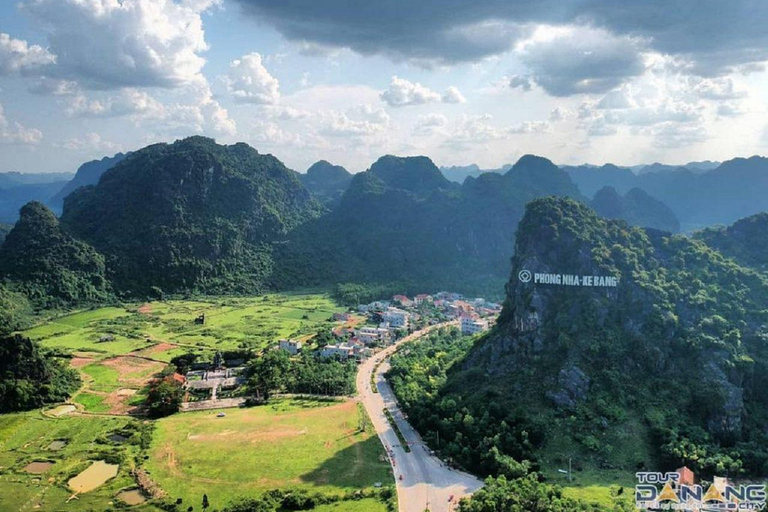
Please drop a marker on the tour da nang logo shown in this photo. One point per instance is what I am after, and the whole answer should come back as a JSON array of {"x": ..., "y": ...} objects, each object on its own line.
[{"x": 679, "y": 491}]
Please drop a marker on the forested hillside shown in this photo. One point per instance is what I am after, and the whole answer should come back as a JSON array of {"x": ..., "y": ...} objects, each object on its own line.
[
  {"x": 39, "y": 259},
  {"x": 636, "y": 207},
  {"x": 192, "y": 216},
  {"x": 665, "y": 369},
  {"x": 403, "y": 222}
]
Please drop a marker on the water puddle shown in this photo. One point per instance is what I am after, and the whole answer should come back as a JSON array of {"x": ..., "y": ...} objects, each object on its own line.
[
  {"x": 133, "y": 497},
  {"x": 95, "y": 476},
  {"x": 38, "y": 468}
]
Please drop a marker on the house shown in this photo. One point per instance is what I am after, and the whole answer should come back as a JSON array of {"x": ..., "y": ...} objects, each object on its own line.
[
  {"x": 422, "y": 298},
  {"x": 342, "y": 351},
  {"x": 686, "y": 476},
  {"x": 293, "y": 347},
  {"x": 342, "y": 317},
  {"x": 179, "y": 378},
  {"x": 373, "y": 335},
  {"x": 403, "y": 301},
  {"x": 470, "y": 324},
  {"x": 396, "y": 318},
  {"x": 340, "y": 332}
]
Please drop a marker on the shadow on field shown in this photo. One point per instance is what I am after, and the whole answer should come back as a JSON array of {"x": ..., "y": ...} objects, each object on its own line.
[{"x": 356, "y": 466}]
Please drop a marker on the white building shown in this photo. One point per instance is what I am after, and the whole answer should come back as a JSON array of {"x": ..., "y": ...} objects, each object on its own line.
[
  {"x": 372, "y": 335},
  {"x": 396, "y": 318},
  {"x": 342, "y": 351},
  {"x": 293, "y": 347},
  {"x": 471, "y": 325}
]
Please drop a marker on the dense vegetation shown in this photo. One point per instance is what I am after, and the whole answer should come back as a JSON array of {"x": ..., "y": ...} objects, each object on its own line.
[
  {"x": 30, "y": 378},
  {"x": 402, "y": 221},
  {"x": 326, "y": 181},
  {"x": 275, "y": 371},
  {"x": 192, "y": 216},
  {"x": 746, "y": 240},
  {"x": 528, "y": 495},
  {"x": 676, "y": 355},
  {"x": 636, "y": 207},
  {"x": 39, "y": 259}
]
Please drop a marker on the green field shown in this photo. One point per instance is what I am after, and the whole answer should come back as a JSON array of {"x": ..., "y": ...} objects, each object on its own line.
[
  {"x": 287, "y": 444},
  {"x": 119, "y": 349},
  {"x": 231, "y": 323},
  {"x": 26, "y": 438},
  {"x": 304, "y": 444}
]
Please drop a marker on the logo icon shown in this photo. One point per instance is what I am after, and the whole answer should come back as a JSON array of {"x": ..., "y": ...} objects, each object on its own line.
[{"x": 524, "y": 276}]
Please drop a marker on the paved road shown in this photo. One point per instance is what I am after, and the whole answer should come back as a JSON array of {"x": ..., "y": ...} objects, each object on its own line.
[{"x": 426, "y": 483}]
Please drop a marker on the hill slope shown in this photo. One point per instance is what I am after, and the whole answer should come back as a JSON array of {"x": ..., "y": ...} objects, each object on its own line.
[
  {"x": 190, "y": 216},
  {"x": 48, "y": 265},
  {"x": 664, "y": 369},
  {"x": 403, "y": 222},
  {"x": 636, "y": 207},
  {"x": 87, "y": 174},
  {"x": 326, "y": 181}
]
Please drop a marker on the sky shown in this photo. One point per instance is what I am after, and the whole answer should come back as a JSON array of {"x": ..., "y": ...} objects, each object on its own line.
[{"x": 483, "y": 81}]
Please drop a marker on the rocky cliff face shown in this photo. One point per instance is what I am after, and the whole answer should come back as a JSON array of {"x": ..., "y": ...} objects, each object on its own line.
[{"x": 682, "y": 332}]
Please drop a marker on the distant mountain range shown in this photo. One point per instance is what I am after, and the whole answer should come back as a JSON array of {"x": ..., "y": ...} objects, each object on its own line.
[
  {"x": 195, "y": 216},
  {"x": 87, "y": 174}
]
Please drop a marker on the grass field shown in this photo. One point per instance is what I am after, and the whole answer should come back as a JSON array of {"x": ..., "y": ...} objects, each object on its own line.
[
  {"x": 288, "y": 444},
  {"x": 26, "y": 438},
  {"x": 119, "y": 350}
]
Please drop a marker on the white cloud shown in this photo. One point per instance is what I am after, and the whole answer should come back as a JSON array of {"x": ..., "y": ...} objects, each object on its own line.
[
  {"x": 401, "y": 93},
  {"x": 529, "y": 127},
  {"x": 16, "y": 133},
  {"x": 106, "y": 44},
  {"x": 475, "y": 129},
  {"x": 91, "y": 142},
  {"x": 453, "y": 95},
  {"x": 250, "y": 82},
  {"x": 429, "y": 123},
  {"x": 559, "y": 114},
  {"x": 357, "y": 121},
  {"x": 18, "y": 56}
]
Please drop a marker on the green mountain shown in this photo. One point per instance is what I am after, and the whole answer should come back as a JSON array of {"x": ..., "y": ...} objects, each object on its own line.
[
  {"x": 746, "y": 240},
  {"x": 29, "y": 378},
  {"x": 326, "y": 181},
  {"x": 192, "y": 216},
  {"x": 403, "y": 222},
  {"x": 666, "y": 368},
  {"x": 41, "y": 260},
  {"x": 636, "y": 207},
  {"x": 87, "y": 174}
]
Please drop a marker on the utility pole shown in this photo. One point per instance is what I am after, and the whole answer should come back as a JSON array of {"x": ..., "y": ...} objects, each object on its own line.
[{"x": 569, "y": 469}]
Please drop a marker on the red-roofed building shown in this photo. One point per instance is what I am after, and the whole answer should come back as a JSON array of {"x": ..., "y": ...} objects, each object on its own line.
[{"x": 686, "y": 476}]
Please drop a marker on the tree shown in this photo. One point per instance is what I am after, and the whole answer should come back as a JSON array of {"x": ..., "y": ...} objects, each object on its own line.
[
  {"x": 164, "y": 398},
  {"x": 268, "y": 373}
]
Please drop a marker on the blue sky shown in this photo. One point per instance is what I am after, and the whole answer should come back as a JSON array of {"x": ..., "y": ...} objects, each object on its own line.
[{"x": 461, "y": 82}]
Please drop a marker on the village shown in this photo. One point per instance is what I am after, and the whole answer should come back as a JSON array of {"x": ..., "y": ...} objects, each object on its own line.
[{"x": 355, "y": 336}]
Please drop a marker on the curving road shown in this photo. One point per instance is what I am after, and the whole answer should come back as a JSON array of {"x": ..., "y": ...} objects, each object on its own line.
[{"x": 423, "y": 481}]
